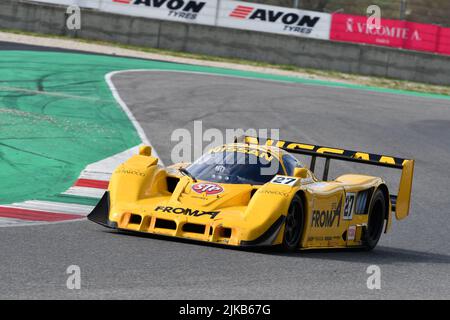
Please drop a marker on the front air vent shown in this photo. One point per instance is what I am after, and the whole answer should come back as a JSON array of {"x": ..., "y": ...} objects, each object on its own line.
[
  {"x": 135, "y": 219},
  {"x": 165, "y": 224},
  {"x": 225, "y": 233},
  {"x": 172, "y": 183},
  {"x": 194, "y": 228}
]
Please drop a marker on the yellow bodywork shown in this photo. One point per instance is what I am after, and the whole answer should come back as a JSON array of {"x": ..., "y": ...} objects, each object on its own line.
[{"x": 145, "y": 197}]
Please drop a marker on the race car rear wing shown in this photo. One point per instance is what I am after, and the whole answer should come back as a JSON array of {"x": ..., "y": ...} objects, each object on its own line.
[{"x": 400, "y": 202}]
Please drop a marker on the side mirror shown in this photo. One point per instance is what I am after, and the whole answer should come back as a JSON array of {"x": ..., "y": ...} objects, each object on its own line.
[
  {"x": 145, "y": 151},
  {"x": 301, "y": 173}
]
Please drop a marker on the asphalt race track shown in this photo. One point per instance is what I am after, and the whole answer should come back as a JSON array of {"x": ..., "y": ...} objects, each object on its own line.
[{"x": 414, "y": 257}]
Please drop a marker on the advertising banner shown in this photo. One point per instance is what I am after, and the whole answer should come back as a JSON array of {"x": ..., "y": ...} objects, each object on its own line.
[
  {"x": 392, "y": 33},
  {"x": 190, "y": 11},
  {"x": 424, "y": 37},
  {"x": 444, "y": 41},
  {"x": 265, "y": 18}
]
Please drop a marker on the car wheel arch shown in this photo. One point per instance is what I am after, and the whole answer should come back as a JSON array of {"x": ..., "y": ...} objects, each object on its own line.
[{"x": 383, "y": 187}]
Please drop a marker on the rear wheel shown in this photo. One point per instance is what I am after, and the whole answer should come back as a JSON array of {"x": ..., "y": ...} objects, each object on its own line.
[
  {"x": 375, "y": 224},
  {"x": 293, "y": 228}
]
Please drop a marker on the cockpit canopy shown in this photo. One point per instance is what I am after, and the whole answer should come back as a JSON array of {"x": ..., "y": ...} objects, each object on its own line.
[{"x": 242, "y": 164}]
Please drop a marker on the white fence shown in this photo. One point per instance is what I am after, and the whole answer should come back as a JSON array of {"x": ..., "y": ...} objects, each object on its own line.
[{"x": 222, "y": 13}]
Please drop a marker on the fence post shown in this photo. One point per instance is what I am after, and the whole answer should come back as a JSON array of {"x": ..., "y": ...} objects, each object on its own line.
[
  {"x": 216, "y": 18},
  {"x": 402, "y": 9}
]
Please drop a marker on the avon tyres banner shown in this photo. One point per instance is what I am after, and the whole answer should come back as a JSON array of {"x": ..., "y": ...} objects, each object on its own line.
[
  {"x": 444, "y": 41},
  {"x": 258, "y": 17},
  {"x": 191, "y": 11},
  {"x": 392, "y": 33}
]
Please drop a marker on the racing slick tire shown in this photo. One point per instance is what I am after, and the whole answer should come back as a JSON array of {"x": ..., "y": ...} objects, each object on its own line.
[
  {"x": 294, "y": 225},
  {"x": 376, "y": 220}
]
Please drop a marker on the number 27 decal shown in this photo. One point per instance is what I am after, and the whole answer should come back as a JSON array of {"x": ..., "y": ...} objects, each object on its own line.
[
  {"x": 288, "y": 181},
  {"x": 349, "y": 205}
]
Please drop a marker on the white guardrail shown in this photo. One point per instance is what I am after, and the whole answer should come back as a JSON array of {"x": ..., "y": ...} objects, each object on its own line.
[{"x": 222, "y": 13}]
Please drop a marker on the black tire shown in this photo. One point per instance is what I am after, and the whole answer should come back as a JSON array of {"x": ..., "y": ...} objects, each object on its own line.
[
  {"x": 293, "y": 226},
  {"x": 375, "y": 224}
]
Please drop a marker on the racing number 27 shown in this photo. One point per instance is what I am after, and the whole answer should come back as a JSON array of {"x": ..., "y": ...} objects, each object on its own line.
[
  {"x": 284, "y": 180},
  {"x": 349, "y": 204}
]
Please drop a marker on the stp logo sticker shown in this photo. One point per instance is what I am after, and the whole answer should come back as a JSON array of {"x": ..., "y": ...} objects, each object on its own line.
[{"x": 209, "y": 188}]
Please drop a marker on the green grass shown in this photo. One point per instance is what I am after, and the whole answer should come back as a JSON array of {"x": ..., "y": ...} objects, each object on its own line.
[{"x": 331, "y": 75}]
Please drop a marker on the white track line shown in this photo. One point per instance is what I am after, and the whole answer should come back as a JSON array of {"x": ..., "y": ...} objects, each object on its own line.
[{"x": 127, "y": 111}]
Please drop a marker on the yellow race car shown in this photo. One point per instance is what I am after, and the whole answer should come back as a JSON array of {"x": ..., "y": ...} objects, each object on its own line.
[{"x": 256, "y": 193}]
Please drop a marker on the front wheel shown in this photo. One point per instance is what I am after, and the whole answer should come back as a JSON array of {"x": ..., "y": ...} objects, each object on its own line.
[
  {"x": 293, "y": 228},
  {"x": 377, "y": 214}
]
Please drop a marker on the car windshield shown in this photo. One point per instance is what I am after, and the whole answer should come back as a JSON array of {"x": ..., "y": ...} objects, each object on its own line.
[{"x": 238, "y": 166}]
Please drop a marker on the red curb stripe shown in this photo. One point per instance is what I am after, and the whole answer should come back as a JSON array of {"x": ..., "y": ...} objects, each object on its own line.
[
  {"x": 100, "y": 184},
  {"x": 34, "y": 215}
]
